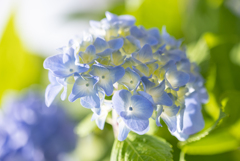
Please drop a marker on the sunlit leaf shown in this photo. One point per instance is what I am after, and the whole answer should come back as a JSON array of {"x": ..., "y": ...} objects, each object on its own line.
[
  {"x": 142, "y": 148},
  {"x": 18, "y": 67},
  {"x": 219, "y": 142}
]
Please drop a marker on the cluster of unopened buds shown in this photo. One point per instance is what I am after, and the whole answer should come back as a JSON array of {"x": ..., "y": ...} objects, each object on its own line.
[{"x": 146, "y": 75}]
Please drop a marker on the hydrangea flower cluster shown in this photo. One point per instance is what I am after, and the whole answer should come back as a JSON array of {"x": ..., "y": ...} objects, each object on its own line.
[
  {"x": 147, "y": 74},
  {"x": 29, "y": 131}
]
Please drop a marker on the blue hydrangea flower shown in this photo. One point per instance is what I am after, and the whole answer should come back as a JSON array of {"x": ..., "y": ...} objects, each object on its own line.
[
  {"x": 134, "y": 110},
  {"x": 29, "y": 131},
  {"x": 147, "y": 72}
]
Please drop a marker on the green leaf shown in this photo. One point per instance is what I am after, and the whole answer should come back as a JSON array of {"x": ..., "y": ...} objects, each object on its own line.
[
  {"x": 198, "y": 52},
  {"x": 141, "y": 148},
  {"x": 231, "y": 104},
  {"x": 217, "y": 142}
]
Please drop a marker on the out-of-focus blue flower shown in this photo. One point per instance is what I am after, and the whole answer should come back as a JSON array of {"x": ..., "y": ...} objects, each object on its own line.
[
  {"x": 140, "y": 69},
  {"x": 134, "y": 110},
  {"x": 29, "y": 131}
]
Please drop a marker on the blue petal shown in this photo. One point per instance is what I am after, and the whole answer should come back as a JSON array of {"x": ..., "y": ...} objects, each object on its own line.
[
  {"x": 145, "y": 54},
  {"x": 123, "y": 131},
  {"x": 136, "y": 32},
  {"x": 193, "y": 119},
  {"x": 83, "y": 87},
  {"x": 142, "y": 107},
  {"x": 100, "y": 121},
  {"x": 147, "y": 96},
  {"x": 136, "y": 125},
  {"x": 60, "y": 69},
  {"x": 121, "y": 100},
  {"x": 141, "y": 69},
  {"x": 159, "y": 112},
  {"x": 51, "y": 92},
  {"x": 100, "y": 45},
  {"x": 147, "y": 83},
  {"x": 203, "y": 95},
  {"x": 130, "y": 79},
  {"x": 184, "y": 65},
  {"x": 155, "y": 33},
  {"x": 128, "y": 20},
  {"x": 90, "y": 101},
  {"x": 170, "y": 121},
  {"x": 91, "y": 50},
  {"x": 107, "y": 87},
  {"x": 150, "y": 40},
  {"x": 180, "y": 135},
  {"x": 177, "y": 78},
  {"x": 105, "y": 78},
  {"x": 116, "y": 44},
  {"x": 110, "y": 16},
  {"x": 116, "y": 73},
  {"x": 160, "y": 96}
]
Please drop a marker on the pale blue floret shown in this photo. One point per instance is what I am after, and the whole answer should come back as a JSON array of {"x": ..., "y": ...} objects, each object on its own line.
[
  {"x": 142, "y": 35},
  {"x": 159, "y": 96},
  {"x": 117, "y": 59},
  {"x": 154, "y": 32},
  {"x": 63, "y": 65},
  {"x": 113, "y": 21},
  {"x": 131, "y": 44},
  {"x": 52, "y": 90},
  {"x": 100, "y": 118},
  {"x": 134, "y": 110},
  {"x": 105, "y": 48},
  {"x": 144, "y": 55},
  {"x": 107, "y": 76},
  {"x": 86, "y": 89},
  {"x": 193, "y": 121},
  {"x": 175, "y": 79},
  {"x": 89, "y": 56},
  {"x": 130, "y": 79},
  {"x": 123, "y": 20},
  {"x": 169, "y": 115}
]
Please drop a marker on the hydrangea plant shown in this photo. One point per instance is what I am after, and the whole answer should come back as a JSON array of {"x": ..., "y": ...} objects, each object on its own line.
[
  {"x": 29, "y": 131},
  {"x": 136, "y": 73}
]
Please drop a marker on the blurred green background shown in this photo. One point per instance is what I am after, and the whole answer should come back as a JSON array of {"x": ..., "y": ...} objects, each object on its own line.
[{"x": 211, "y": 32}]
